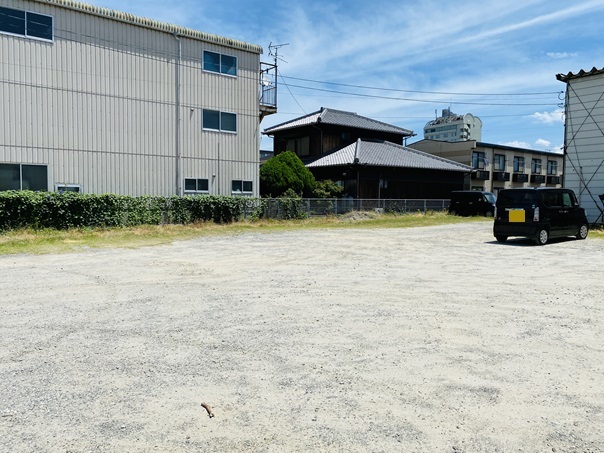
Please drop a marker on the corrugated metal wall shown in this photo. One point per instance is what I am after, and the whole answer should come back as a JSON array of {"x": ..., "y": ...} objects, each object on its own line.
[
  {"x": 584, "y": 166},
  {"x": 98, "y": 106}
]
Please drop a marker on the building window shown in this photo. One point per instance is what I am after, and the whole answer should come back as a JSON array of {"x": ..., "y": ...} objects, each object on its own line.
[
  {"x": 536, "y": 166},
  {"x": 68, "y": 188},
  {"x": 26, "y": 23},
  {"x": 241, "y": 187},
  {"x": 478, "y": 160},
  {"x": 552, "y": 167},
  {"x": 23, "y": 177},
  {"x": 518, "y": 164},
  {"x": 222, "y": 64},
  {"x": 196, "y": 185},
  {"x": 299, "y": 146},
  {"x": 219, "y": 121},
  {"x": 499, "y": 162}
]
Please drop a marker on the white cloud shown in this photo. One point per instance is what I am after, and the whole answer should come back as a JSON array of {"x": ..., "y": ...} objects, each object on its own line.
[
  {"x": 557, "y": 116},
  {"x": 562, "y": 55},
  {"x": 517, "y": 144},
  {"x": 541, "y": 143}
]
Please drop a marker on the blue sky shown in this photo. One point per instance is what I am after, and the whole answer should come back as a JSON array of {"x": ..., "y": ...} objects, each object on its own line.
[{"x": 402, "y": 61}]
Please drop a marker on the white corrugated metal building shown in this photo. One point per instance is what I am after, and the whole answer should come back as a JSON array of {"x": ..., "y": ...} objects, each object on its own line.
[
  {"x": 584, "y": 139},
  {"x": 100, "y": 101}
]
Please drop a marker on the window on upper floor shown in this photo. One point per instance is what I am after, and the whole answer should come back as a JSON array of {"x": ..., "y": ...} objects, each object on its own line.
[
  {"x": 518, "y": 164},
  {"x": 219, "y": 121},
  {"x": 478, "y": 160},
  {"x": 26, "y": 23},
  {"x": 536, "y": 166},
  {"x": 220, "y": 63},
  {"x": 552, "y": 167},
  {"x": 499, "y": 162}
]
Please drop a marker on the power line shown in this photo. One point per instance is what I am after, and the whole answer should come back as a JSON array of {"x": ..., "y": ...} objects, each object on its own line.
[
  {"x": 373, "y": 96},
  {"x": 422, "y": 92}
]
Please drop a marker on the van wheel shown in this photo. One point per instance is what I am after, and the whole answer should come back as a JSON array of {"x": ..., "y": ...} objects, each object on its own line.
[
  {"x": 583, "y": 230},
  {"x": 501, "y": 238},
  {"x": 542, "y": 237}
]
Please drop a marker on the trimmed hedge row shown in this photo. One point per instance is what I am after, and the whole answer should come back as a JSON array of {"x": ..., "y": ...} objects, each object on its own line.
[{"x": 39, "y": 210}]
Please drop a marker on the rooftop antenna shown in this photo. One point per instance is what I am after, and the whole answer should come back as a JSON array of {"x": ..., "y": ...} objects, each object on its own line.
[{"x": 273, "y": 51}]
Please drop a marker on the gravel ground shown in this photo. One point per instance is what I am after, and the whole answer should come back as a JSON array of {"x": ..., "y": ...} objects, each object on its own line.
[{"x": 431, "y": 339}]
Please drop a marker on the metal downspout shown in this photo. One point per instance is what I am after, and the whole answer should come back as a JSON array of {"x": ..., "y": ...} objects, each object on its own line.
[
  {"x": 356, "y": 163},
  {"x": 179, "y": 190},
  {"x": 565, "y": 147}
]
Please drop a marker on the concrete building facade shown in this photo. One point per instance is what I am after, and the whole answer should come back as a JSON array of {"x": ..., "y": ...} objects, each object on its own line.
[
  {"x": 584, "y": 139},
  {"x": 451, "y": 127},
  {"x": 99, "y": 101},
  {"x": 496, "y": 167}
]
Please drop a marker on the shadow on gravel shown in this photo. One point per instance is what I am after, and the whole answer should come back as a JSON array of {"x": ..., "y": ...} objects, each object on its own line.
[{"x": 525, "y": 242}]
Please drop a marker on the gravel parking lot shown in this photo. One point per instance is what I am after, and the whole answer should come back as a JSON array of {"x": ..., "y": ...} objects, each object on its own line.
[{"x": 435, "y": 339}]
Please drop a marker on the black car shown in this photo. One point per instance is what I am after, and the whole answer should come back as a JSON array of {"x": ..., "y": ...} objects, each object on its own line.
[
  {"x": 539, "y": 213},
  {"x": 472, "y": 202}
]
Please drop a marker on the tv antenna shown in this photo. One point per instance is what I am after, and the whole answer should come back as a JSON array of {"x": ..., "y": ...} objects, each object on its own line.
[{"x": 273, "y": 51}]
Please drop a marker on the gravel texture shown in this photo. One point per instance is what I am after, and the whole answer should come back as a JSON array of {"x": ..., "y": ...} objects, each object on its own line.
[{"x": 434, "y": 339}]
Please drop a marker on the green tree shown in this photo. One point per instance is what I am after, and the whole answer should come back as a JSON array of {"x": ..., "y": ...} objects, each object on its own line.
[
  {"x": 327, "y": 189},
  {"x": 286, "y": 171}
]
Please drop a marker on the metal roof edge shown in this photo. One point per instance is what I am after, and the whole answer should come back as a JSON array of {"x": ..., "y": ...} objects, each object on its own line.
[
  {"x": 582, "y": 73},
  {"x": 514, "y": 148},
  {"x": 153, "y": 24},
  {"x": 268, "y": 129}
]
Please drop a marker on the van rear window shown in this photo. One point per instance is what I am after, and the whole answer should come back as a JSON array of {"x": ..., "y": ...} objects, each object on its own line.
[{"x": 517, "y": 198}]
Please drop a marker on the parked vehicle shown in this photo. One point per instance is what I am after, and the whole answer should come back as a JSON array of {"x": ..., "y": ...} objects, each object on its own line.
[
  {"x": 539, "y": 213},
  {"x": 472, "y": 202}
]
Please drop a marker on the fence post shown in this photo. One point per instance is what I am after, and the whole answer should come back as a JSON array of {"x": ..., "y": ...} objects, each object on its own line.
[{"x": 335, "y": 206}]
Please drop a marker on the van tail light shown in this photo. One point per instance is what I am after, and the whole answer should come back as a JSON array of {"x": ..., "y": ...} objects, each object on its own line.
[{"x": 536, "y": 215}]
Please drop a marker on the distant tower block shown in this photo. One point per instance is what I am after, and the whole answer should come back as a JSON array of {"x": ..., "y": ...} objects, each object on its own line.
[{"x": 451, "y": 127}]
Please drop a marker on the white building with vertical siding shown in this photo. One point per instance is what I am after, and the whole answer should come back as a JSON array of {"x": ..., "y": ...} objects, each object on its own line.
[
  {"x": 100, "y": 101},
  {"x": 584, "y": 139}
]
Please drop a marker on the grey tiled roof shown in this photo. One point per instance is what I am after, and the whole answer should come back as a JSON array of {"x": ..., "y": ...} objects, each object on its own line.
[
  {"x": 386, "y": 154},
  {"x": 338, "y": 118}
]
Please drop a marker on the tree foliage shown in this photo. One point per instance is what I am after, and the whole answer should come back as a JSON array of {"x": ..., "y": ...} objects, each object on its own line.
[
  {"x": 286, "y": 171},
  {"x": 327, "y": 189}
]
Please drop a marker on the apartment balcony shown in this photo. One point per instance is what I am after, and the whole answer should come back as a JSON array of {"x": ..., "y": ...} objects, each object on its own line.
[
  {"x": 501, "y": 176},
  {"x": 520, "y": 177},
  {"x": 482, "y": 175},
  {"x": 551, "y": 179},
  {"x": 537, "y": 179},
  {"x": 268, "y": 89}
]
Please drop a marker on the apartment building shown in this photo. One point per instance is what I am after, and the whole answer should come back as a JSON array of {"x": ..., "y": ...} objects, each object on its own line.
[{"x": 496, "y": 167}]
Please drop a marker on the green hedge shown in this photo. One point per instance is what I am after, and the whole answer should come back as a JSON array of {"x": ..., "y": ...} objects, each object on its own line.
[{"x": 39, "y": 210}]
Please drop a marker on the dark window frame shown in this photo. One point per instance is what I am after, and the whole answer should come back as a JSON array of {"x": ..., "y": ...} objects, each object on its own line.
[
  {"x": 219, "y": 63},
  {"x": 536, "y": 166},
  {"x": 27, "y": 174},
  {"x": 34, "y": 25},
  {"x": 552, "y": 167},
  {"x": 224, "y": 121},
  {"x": 499, "y": 162},
  {"x": 519, "y": 164},
  {"x": 242, "y": 186},
  {"x": 202, "y": 185}
]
